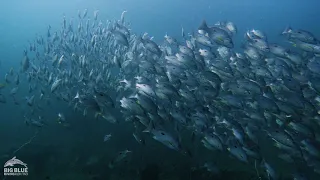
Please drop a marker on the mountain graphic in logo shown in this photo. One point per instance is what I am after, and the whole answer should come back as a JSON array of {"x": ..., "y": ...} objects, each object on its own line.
[{"x": 13, "y": 162}]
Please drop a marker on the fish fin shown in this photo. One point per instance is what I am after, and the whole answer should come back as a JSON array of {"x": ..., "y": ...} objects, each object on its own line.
[
  {"x": 203, "y": 26},
  {"x": 287, "y": 30},
  {"x": 263, "y": 161},
  {"x": 150, "y": 127}
]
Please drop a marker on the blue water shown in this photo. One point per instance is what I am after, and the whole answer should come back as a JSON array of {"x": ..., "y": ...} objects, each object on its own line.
[{"x": 21, "y": 22}]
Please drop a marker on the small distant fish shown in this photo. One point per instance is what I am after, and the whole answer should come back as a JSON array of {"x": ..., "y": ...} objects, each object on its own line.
[
  {"x": 107, "y": 137},
  {"x": 109, "y": 117},
  {"x": 14, "y": 91},
  {"x": 30, "y": 100},
  {"x": 6, "y": 78},
  {"x": 17, "y": 80},
  {"x": 122, "y": 17},
  {"x": 25, "y": 63},
  {"x": 55, "y": 85},
  {"x": 36, "y": 123},
  {"x": 121, "y": 155},
  {"x": 85, "y": 13},
  {"x": 61, "y": 118},
  {"x": 211, "y": 167},
  {"x": 183, "y": 33},
  {"x": 270, "y": 171},
  {"x": 95, "y": 14}
]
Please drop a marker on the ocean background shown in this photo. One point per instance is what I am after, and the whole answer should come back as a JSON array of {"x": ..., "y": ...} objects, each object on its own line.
[{"x": 78, "y": 152}]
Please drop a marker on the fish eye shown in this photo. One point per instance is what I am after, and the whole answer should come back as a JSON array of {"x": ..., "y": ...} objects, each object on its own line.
[
  {"x": 162, "y": 133},
  {"x": 299, "y": 32},
  {"x": 235, "y": 147}
]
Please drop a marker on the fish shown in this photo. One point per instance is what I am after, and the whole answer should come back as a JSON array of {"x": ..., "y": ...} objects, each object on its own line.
[
  {"x": 146, "y": 103},
  {"x": 270, "y": 171},
  {"x": 259, "y": 34},
  {"x": 120, "y": 156},
  {"x": 237, "y": 151},
  {"x": 25, "y": 63},
  {"x": 17, "y": 80},
  {"x": 109, "y": 117},
  {"x": 217, "y": 35},
  {"x": 211, "y": 167},
  {"x": 6, "y": 78},
  {"x": 14, "y": 91},
  {"x": 145, "y": 89},
  {"x": 151, "y": 46},
  {"x": 33, "y": 122},
  {"x": 299, "y": 34},
  {"x": 61, "y": 118},
  {"x": 107, "y": 137},
  {"x": 165, "y": 138},
  {"x": 213, "y": 141},
  {"x": 233, "y": 101},
  {"x": 30, "y": 100},
  {"x": 120, "y": 38},
  {"x": 105, "y": 99},
  {"x": 55, "y": 85}
]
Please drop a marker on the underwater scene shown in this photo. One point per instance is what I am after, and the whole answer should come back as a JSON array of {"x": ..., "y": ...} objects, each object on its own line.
[{"x": 160, "y": 90}]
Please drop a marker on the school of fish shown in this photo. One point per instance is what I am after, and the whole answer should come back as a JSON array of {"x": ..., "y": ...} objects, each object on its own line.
[{"x": 197, "y": 83}]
